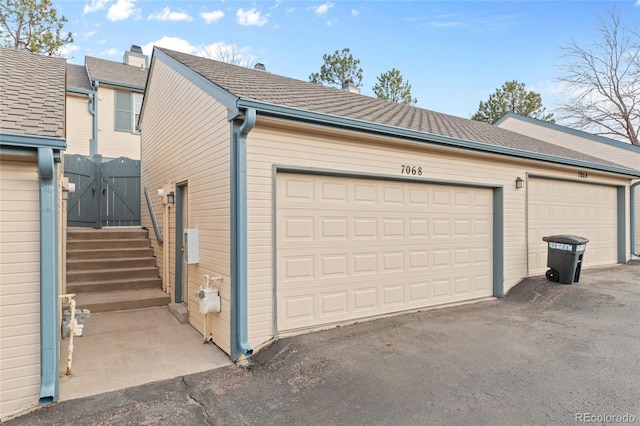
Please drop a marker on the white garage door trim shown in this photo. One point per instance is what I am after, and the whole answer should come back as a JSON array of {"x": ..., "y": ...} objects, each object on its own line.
[
  {"x": 494, "y": 217},
  {"x": 608, "y": 209}
]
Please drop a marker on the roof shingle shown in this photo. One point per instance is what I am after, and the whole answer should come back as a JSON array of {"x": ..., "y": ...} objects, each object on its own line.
[
  {"x": 77, "y": 78},
  {"x": 255, "y": 85},
  {"x": 32, "y": 93},
  {"x": 115, "y": 72}
]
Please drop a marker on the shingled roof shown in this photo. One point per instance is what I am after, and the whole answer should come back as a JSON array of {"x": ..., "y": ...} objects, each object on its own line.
[
  {"x": 116, "y": 72},
  {"x": 254, "y": 85},
  {"x": 32, "y": 93},
  {"x": 77, "y": 78}
]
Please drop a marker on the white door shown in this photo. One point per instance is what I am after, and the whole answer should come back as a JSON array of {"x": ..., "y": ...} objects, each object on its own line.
[
  {"x": 562, "y": 207},
  {"x": 352, "y": 248}
]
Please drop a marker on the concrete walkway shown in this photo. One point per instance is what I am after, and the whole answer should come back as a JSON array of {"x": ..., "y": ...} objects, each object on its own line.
[
  {"x": 546, "y": 354},
  {"x": 119, "y": 350}
]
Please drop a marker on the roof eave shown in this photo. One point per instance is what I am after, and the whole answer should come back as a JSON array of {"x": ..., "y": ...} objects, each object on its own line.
[
  {"x": 383, "y": 129},
  {"x": 32, "y": 141},
  {"x": 118, "y": 84}
]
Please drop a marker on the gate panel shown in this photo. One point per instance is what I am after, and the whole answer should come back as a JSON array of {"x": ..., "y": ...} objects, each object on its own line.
[
  {"x": 82, "y": 207},
  {"x": 121, "y": 192},
  {"x": 107, "y": 194}
]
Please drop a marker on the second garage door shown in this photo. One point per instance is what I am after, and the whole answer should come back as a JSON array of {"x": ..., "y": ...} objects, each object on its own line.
[
  {"x": 352, "y": 248},
  {"x": 565, "y": 207}
]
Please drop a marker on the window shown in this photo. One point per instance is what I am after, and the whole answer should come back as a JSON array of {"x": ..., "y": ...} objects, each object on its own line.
[{"x": 127, "y": 112}]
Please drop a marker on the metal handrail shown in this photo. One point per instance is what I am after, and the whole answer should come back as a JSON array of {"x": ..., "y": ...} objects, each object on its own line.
[{"x": 152, "y": 213}]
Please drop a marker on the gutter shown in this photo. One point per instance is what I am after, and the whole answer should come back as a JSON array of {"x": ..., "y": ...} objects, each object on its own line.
[
  {"x": 239, "y": 328},
  {"x": 93, "y": 110},
  {"x": 49, "y": 321},
  {"x": 634, "y": 249}
]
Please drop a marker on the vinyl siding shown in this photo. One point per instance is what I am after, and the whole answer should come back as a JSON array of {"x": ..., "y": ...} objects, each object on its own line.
[
  {"x": 19, "y": 286},
  {"x": 186, "y": 137},
  {"x": 272, "y": 144},
  {"x": 112, "y": 143},
  {"x": 79, "y": 124},
  {"x": 591, "y": 147},
  {"x": 637, "y": 218}
]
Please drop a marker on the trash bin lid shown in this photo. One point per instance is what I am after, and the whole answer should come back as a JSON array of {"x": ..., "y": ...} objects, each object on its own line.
[{"x": 566, "y": 239}]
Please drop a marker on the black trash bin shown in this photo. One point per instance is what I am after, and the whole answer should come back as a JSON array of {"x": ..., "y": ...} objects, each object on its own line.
[{"x": 564, "y": 257}]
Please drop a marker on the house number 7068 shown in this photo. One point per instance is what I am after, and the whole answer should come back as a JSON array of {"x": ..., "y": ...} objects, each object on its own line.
[{"x": 411, "y": 170}]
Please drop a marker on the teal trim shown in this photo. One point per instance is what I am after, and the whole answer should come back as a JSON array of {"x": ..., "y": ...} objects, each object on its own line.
[
  {"x": 118, "y": 84},
  {"x": 635, "y": 250},
  {"x": 498, "y": 242},
  {"x": 32, "y": 141},
  {"x": 622, "y": 222},
  {"x": 218, "y": 93},
  {"x": 274, "y": 245},
  {"x": 80, "y": 91},
  {"x": 239, "y": 225},
  {"x": 152, "y": 213},
  {"x": 386, "y": 130},
  {"x": 49, "y": 321},
  {"x": 569, "y": 130},
  {"x": 179, "y": 276}
]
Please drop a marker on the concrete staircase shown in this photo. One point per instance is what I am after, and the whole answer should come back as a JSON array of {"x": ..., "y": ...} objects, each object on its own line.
[{"x": 113, "y": 269}]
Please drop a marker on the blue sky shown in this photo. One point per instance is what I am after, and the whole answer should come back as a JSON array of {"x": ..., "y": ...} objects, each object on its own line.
[{"x": 453, "y": 53}]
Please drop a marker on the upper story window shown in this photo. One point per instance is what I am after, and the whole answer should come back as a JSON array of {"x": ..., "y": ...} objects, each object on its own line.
[{"x": 127, "y": 112}]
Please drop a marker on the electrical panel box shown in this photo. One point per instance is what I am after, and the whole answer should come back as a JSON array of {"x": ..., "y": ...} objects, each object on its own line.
[{"x": 191, "y": 244}]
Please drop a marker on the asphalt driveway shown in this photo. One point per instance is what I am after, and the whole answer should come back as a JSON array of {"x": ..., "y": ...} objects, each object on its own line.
[{"x": 545, "y": 354}]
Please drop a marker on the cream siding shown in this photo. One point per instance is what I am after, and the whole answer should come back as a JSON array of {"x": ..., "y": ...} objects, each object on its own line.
[
  {"x": 637, "y": 218},
  {"x": 112, "y": 143},
  {"x": 186, "y": 137},
  {"x": 79, "y": 124},
  {"x": 19, "y": 285},
  {"x": 597, "y": 149},
  {"x": 270, "y": 144}
]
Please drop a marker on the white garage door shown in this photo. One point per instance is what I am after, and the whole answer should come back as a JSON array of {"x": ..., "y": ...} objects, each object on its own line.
[
  {"x": 351, "y": 248},
  {"x": 561, "y": 207}
]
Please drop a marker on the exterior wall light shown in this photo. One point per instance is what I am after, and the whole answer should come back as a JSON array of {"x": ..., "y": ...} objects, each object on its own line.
[
  {"x": 171, "y": 198},
  {"x": 519, "y": 183}
]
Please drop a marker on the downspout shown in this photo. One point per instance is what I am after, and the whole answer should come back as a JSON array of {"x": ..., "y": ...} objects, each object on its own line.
[
  {"x": 240, "y": 309},
  {"x": 49, "y": 324},
  {"x": 632, "y": 199},
  {"x": 93, "y": 110}
]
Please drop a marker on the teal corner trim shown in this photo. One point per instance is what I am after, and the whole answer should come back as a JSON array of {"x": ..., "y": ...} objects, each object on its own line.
[
  {"x": 239, "y": 327},
  {"x": 498, "y": 242},
  {"x": 31, "y": 141},
  {"x": 49, "y": 322},
  {"x": 622, "y": 232},
  {"x": 635, "y": 250}
]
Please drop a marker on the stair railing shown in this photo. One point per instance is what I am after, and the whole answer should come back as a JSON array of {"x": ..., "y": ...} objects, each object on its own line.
[{"x": 152, "y": 213}]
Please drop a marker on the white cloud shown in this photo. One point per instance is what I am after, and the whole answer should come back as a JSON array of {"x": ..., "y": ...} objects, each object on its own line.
[
  {"x": 212, "y": 17},
  {"x": 293, "y": 9},
  {"x": 123, "y": 9},
  {"x": 110, "y": 52},
  {"x": 94, "y": 6},
  {"x": 167, "y": 14},
  {"x": 322, "y": 9},
  {"x": 329, "y": 23},
  {"x": 173, "y": 43},
  {"x": 250, "y": 17},
  {"x": 355, "y": 12},
  {"x": 90, "y": 33},
  {"x": 67, "y": 50}
]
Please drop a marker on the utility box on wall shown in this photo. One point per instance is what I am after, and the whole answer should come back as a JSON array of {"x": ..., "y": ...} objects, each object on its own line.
[{"x": 191, "y": 244}]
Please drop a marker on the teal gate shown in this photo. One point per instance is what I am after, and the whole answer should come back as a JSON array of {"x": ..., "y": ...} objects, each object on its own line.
[{"x": 107, "y": 194}]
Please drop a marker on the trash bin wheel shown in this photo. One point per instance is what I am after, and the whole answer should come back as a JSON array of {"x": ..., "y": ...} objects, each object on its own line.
[{"x": 553, "y": 275}]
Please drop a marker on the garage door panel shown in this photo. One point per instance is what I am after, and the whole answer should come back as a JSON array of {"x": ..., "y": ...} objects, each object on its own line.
[
  {"x": 384, "y": 247},
  {"x": 563, "y": 207}
]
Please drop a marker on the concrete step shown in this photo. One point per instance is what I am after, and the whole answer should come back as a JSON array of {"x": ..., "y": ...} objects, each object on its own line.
[
  {"x": 113, "y": 233},
  {"x": 117, "y": 263},
  {"x": 108, "y": 244},
  {"x": 122, "y": 300},
  {"x": 107, "y": 253},
  {"x": 113, "y": 285},
  {"x": 111, "y": 274}
]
